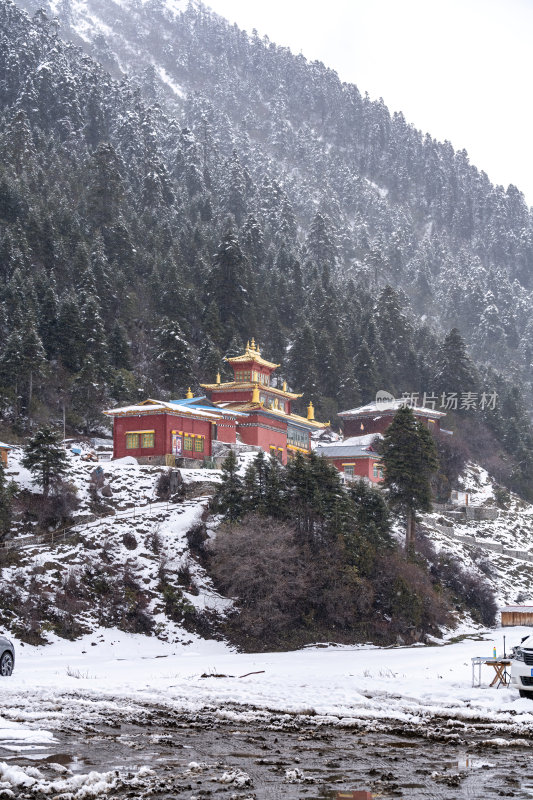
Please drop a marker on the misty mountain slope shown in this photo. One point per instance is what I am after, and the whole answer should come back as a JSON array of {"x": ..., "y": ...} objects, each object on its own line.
[{"x": 400, "y": 207}]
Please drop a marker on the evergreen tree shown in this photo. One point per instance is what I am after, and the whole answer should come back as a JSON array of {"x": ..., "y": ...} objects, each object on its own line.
[
  {"x": 275, "y": 489},
  {"x": 409, "y": 458},
  {"x": 119, "y": 351},
  {"x": 46, "y": 459},
  {"x": 302, "y": 363},
  {"x": 90, "y": 395},
  {"x": 174, "y": 357},
  {"x": 6, "y": 496},
  {"x": 106, "y": 186},
  {"x": 94, "y": 334},
  {"x": 454, "y": 370},
  {"x": 70, "y": 334},
  {"x": 365, "y": 373},
  {"x": 230, "y": 496},
  {"x": 33, "y": 357},
  {"x": 231, "y": 289}
]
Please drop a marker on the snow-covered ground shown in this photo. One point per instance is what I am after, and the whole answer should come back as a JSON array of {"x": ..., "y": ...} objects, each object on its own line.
[{"x": 339, "y": 685}]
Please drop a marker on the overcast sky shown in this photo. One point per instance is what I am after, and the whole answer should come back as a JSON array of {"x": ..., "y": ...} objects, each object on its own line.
[{"x": 459, "y": 69}]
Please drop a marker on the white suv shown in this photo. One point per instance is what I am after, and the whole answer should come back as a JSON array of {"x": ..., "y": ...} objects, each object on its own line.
[{"x": 522, "y": 667}]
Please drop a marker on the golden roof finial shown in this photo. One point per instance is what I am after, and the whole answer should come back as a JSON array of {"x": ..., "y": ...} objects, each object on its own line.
[
  {"x": 310, "y": 411},
  {"x": 255, "y": 394},
  {"x": 253, "y": 343},
  {"x": 189, "y": 394},
  {"x": 218, "y": 377},
  {"x": 284, "y": 386},
  {"x": 248, "y": 344}
]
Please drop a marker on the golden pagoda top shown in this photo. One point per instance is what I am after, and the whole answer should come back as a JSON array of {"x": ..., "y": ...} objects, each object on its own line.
[
  {"x": 252, "y": 353},
  {"x": 238, "y": 385}
]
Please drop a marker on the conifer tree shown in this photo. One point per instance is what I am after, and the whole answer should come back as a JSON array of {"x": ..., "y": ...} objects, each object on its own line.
[
  {"x": 6, "y": 496},
  {"x": 365, "y": 373},
  {"x": 231, "y": 288},
  {"x": 174, "y": 357},
  {"x": 255, "y": 481},
  {"x": 454, "y": 370},
  {"x": 230, "y": 496},
  {"x": 106, "y": 186},
  {"x": 71, "y": 344},
  {"x": 275, "y": 489},
  {"x": 89, "y": 395},
  {"x": 94, "y": 334},
  {"x": 46, "y": 459},
  {"x": 119, "y": 351},
  {"x": 33, "y": 356},
  {"x": 409, "y": 458}
]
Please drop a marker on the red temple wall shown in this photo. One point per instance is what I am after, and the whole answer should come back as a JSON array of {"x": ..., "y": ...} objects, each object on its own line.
[
  {"x": 162, "y": 425},
  {"x": 256, "y": 432},
  {"x": 226, "y": 431},
  {"x": 361, "y": 466},
  {"x": 379, "y": 424}
]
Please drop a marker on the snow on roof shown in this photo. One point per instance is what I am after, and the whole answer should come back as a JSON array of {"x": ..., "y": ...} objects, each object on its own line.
[
  {"x": 149, "y": 408},
  {"x": 341, "y": 451},
  {"x": 518, "y": 609},
  {"x": 362, "y": 441},
  {"x": 5, "y": 446},
  {"x": 393, "y": 405}
]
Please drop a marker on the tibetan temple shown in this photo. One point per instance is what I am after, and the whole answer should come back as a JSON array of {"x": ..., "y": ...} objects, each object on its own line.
[{"x": 249, "y": 409}]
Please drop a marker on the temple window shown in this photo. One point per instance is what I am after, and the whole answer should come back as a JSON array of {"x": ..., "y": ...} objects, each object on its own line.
[
  {"x": 132, "y": 441},
  {"x": 378, "y": 471},
  {"x": 187, "y": 442},
  {"x": 199, "y": 444},
  {"x": 348, "y": 470},
  {"x": 298, "y": 437},
  {"x": 148, "y": 440}
]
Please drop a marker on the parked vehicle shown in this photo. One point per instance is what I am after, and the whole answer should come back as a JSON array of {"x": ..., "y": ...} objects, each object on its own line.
[
  {"x": 522, "y": 667},
  {"x": 7, "y": 657}
]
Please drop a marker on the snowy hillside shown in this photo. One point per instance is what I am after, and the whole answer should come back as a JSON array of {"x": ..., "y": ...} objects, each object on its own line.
[
  {"x": 502, "y": 548},
  {"x": 131, "y": 566}
]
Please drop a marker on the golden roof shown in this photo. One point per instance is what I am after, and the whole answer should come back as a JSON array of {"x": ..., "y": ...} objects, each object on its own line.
[
  {"x": 252, "y": 353},
  {"x": 248, "y": 385},
  {"x": 276, "y": 412}
]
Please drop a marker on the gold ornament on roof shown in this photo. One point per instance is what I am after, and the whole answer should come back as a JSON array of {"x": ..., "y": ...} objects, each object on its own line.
[
  {"x": 310, "y": 411},
  {"x": 218, "y": 377},
  {"x": 189, "y": 394},
  {"x": 255, "y": 394}
]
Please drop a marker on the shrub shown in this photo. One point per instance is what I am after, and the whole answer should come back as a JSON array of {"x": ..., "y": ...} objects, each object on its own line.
[
  {"x": 405, "y": 593},
  {"x": 469, "y": 588},
  {"x": 129, "y": 541},
  {"x": 162, "y": 487}
]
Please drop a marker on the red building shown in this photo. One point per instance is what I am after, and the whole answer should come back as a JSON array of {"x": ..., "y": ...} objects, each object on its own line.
[
  {"x": 154, "y": 429},
  {"x": 249, "y": 409},
  {"x": 355, "y": 458},
  {"x": 376, "y": 417}
]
